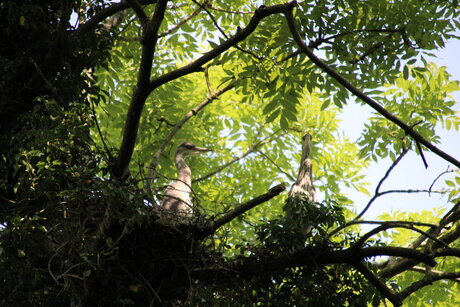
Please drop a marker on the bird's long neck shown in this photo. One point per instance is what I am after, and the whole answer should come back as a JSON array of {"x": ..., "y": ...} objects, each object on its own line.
[{"x": 183, "y": 170}]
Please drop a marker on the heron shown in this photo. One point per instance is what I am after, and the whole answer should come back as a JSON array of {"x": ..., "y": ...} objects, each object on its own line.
[{"x": 178, "y": 194}]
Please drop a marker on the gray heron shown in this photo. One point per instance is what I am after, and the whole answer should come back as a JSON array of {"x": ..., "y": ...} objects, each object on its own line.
[{"x": 178, "y": 194}]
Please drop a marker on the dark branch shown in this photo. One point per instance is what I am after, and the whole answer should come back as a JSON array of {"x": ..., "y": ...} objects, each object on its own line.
[
  {"x": 92, "y": 23},
  {"x": 428, "y": 280},
  {"x": 358, "y": 93},
  {"x": 139, "y": 11},
  {"x": 216, "y": 24},
  {"x": 377, "y": 189},
  {"x": 237, "y": 211},
  {"x": 442, "y": 174},
  {"x": 377, "y": 194},
  {"x": 253, "y": 265},
  {"x": 394, "y": 297},
  {"x": 454, "y": 276},
  {"x": 388, "y": 225},
  {"x": 447, "y": 252},
  {"x": 141, "y": 92},
  {"x": 196, "y": 66},
  {"x": 396, "y": 266}
]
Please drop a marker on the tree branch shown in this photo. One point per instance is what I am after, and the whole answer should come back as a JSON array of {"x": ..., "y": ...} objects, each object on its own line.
[
  {"x": 214, "y": 21},
  {"x": 358, "y": 93},
  {"x": 454, "y": 276},
  {"x": 443, "y": 173},
  {"x": 183, "y": 21},
  {"x": 396, "y": 266},
  {"x": 139, "y": 11},
  {"x": 389, "y": 225},
  {"x": 141, "y": 92},
  {"x": 376, "y": 194},
  {"x": 195, "y": 66},
  {"x": 394, "y": 297},
  {"x": 428, "y": 280},
  {"x": 239, "y": 210},
  {"x": 289, "y": 176},
  {"x": 92, "y": 23},
  {"x": 251, "y": 149},
  {"x": 177, "y": 126},
  {"x": 250, "y": 266}
]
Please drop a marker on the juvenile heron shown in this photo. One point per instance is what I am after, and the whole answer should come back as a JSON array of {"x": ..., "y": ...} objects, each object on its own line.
[{"x": 177, "y": 195}]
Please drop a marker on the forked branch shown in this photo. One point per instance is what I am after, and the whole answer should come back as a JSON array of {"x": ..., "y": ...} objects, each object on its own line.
[{"x": 142, "y": 90}]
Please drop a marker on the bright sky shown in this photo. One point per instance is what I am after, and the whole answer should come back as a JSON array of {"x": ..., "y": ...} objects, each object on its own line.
[{"x": 410, "y": 172}]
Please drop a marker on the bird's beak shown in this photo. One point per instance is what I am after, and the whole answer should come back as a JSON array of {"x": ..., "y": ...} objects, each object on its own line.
[{"x": 201, "y": 149}]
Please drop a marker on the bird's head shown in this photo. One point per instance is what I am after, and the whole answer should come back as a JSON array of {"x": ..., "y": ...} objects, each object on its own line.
[{"x": 190, "y": 149}]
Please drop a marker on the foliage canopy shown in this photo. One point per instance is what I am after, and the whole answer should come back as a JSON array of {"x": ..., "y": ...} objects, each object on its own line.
[{"x": 96, "y": 95}]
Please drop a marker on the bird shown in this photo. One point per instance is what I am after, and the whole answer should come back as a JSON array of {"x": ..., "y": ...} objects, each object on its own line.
[{"x": 177, "y": 196}]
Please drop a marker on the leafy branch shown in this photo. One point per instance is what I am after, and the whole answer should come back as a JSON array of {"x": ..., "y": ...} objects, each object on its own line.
[
  {"x": 145, "y": 86},
  {"x": 358, "y": 93}
]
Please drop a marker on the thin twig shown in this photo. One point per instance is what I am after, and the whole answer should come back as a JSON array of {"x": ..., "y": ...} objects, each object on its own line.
[
  {"x": 214, "y": 21},
  {"x": 251, "y": 149},
  {"x": 389, "y": 225},
  {"x": 178, "y": 126},
  {"x": 184, "y": 20},
  {"x": 440, "y": 175},
  {"x": 290, "y": 177},
  {"x": 229, "y": 11},
  {"x": 377, "y": 194}
]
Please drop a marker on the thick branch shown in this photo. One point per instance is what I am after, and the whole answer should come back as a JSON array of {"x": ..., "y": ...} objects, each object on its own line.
[
  {"x": 358, "y": 93},
  {"x": 237, "y": 211},
  {"x": 195, "y": 66},
  {"x": 138, "y": 101},
  {"x": 454, "y": 276},
  {"x": 389, "y": 225},
  {"x": 257, "y": 264},
  {"x": 392, "y": 296},
  {"x": 141, "y": 92},
  {"x": 138, "y": 10}
]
